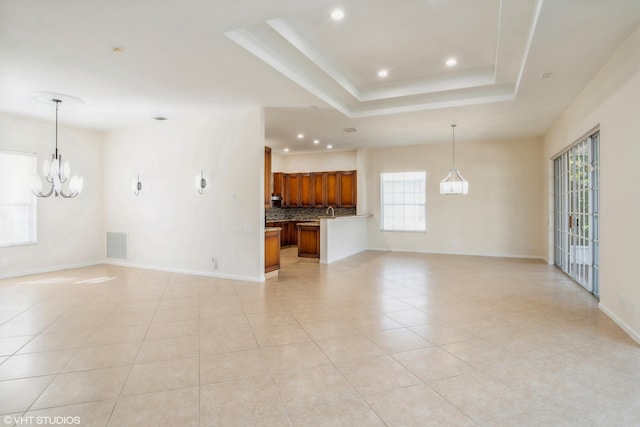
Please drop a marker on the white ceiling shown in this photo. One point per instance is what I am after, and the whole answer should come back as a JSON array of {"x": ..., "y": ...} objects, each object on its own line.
[{"x": 314, "y": 75}]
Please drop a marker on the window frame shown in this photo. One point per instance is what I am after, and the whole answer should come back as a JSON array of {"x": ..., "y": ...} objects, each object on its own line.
[
  {"x": 416, "y": 205},
  {"x": 32, "y": 222}
]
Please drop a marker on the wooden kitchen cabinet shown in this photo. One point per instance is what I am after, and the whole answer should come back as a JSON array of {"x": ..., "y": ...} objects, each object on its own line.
[
  {"x": 278, "y": 184},
  {"x": 292, "y": 187},
  {"x": 272, "y": 249},
  {"x": 308, "y": 240},
  {"x": 331, "y": 188},
  {"x": 306, "y": 193},
  {"x": 347, "y": 189},
  {"x": 318, "y": 189},
  {"x": 267, "y": 177}
]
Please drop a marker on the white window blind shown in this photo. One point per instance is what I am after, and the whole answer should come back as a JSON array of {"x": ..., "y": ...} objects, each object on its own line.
[
  {"x": 403, "y": 196},
  {"x": 18, "y": 223}
]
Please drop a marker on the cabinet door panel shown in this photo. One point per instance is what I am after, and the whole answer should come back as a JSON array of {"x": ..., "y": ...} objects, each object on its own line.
[
  {"x": 319, "y": 189},
  {"x": 332, "y": 188},
  {"x": 305, "y": 190},
  {"x": 347, "y": 189},
  {"x": 292, "y": 184},
  {"x": 278, "y": 184}
]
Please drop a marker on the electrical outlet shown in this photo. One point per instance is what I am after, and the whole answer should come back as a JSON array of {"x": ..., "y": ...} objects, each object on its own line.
[{"x": 214, "y": 263}]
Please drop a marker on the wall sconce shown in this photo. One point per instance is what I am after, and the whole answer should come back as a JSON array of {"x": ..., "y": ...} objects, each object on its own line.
[
  {"x": 201, "y": 183},
  {"x": 136, "y": 185}
]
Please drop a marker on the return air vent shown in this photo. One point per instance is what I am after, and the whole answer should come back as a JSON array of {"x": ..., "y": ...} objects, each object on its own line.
[{"x": 117, "y": 245}]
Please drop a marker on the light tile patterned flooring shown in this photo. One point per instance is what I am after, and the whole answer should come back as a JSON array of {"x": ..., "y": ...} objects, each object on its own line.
[{"x": 376, "y": 339}]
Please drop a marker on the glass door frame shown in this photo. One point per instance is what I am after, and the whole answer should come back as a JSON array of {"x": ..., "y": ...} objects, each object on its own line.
[{"x": 576, "y": 188}]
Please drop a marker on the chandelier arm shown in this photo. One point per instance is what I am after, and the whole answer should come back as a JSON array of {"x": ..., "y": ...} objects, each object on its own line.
[
  {"x": 40, "y": 194},
  {"x": 68, "y": 196}
]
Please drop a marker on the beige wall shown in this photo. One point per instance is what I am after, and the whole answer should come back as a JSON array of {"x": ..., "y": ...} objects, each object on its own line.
[
  {"x": 314, "y": 162},
  {"x": 69, "y": 230},
  {"x": 612, "y": 101},
  {"x": 499, "y": 217}
]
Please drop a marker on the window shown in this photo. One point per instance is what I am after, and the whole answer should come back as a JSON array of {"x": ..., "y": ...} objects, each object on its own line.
[
  {"x": 17, "y": 202},
  {"x": 403, "y": 196}
]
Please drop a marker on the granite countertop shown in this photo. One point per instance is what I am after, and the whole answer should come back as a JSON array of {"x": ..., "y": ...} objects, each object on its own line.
[
  {"x": 310, "y": 224},
  {"x": 266, "y": 229}
]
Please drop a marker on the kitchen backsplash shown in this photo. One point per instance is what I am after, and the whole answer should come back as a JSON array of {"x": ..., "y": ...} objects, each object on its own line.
[{"x": 303, "y": 214}]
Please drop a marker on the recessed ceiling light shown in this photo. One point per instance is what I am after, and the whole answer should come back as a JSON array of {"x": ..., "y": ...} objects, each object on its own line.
[
  {"x": 286, "y": 150},
  {"x": 337, "y": 14},
  {"x": 329, "y": 147},
  {"x": 118, "y": 49},
  {"x": 451, "y": 62},
  {"x": 160, "y": 118},
  {"x": 547, "y": 75},
  {"x": 316, "y": 141},
  {"x": 350, "y": 130},
  {"x": 383, "y": 73},
  {"x": 300, "y": 135}
]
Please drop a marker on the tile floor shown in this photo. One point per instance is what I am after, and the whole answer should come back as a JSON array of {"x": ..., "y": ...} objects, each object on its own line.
[{"x": 376, "y": 339}]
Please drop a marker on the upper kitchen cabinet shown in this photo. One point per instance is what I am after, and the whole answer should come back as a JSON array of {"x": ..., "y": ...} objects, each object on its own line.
[
  {"x": 292, "y": 190},
  {"x": 278, "y": 184},
  {"x": 316, "y": 189},
  {"x": 318, "y": 186},
  {"x": 267, "y": 177},
  {"x": 347, "y": 189},
  {"x": 331, "y": 189},
  {"x": 306, "y": 192}
]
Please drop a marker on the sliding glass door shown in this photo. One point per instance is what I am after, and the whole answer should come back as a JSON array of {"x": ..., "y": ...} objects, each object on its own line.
[{"x": 576, "y": 199}]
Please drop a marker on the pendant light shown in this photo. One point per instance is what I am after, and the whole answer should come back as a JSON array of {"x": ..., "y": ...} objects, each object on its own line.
[
  {"x": 454, "y": 183},
  {"x": 57, "y": 173}
]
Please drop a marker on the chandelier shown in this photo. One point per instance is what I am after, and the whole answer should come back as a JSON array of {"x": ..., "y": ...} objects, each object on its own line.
[
  {"x": 57, "y": 173},
  {"x": 454, "y": 183}
]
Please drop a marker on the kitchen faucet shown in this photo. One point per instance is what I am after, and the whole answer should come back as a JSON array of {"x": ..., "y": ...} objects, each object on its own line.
[{"x": 330, "y": 208}]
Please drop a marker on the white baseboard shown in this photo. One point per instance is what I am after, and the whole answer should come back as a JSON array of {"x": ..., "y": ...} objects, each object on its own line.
[
  {"x": 185, "y": 271},
  {"x": 458, "y": 253},
  {"x": 49, "y": 269},
  {"x": 633, "y": 334}
]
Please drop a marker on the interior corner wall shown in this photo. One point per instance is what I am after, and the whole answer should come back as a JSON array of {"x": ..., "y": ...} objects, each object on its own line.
[
  {"x": 69, "y": 230},
  {"x": 612, "y": 102},
  {"x": 170, "y": 226},
  {"x": 499, "y": 217}
]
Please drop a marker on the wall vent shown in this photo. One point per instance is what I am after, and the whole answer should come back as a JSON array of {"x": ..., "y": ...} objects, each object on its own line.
[{"x": 117, "y": 245}]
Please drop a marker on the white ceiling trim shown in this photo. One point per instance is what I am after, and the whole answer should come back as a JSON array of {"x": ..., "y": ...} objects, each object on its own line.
[{"x": 279, "y": 45}]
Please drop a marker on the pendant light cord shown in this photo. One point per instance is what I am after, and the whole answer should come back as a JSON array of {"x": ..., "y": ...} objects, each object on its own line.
[
  {"x": 57, "y": 101},
  {"x": 453, "y": 131}
]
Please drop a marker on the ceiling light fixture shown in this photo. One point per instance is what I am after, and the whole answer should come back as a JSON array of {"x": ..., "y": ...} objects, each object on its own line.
[
  {"x": 454, "y": 183},
  {"x": 329, "y": 147},
  {"x": 451, "y": 62},
  {"x": 300, "y": 135},
  {"x": 316, "y": 141},
  {"x": 286, "y": 150},
  {"x": 58, "y": 173},
  {"x": 383, "y": 73},
  {"x": 337, "y": 15}
]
